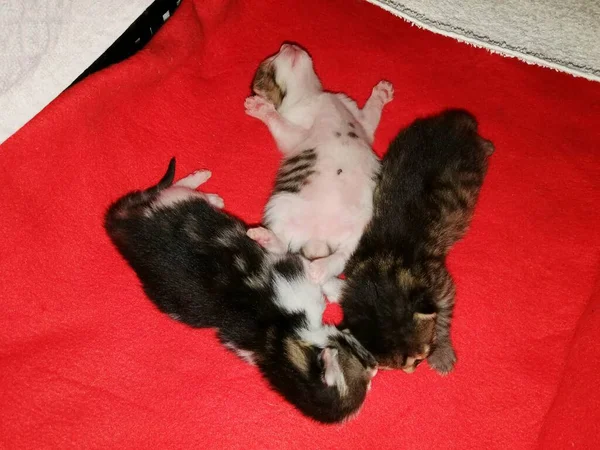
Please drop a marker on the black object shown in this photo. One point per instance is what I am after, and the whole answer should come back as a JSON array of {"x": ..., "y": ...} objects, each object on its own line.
[{"x": 135, "y": 37}]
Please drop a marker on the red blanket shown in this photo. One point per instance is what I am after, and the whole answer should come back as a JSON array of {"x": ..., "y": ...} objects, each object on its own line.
[{"x": 86, "y": 361}]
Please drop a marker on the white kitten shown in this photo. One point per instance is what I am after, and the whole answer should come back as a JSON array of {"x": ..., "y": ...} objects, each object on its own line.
[{"x": 323, "y": 193}]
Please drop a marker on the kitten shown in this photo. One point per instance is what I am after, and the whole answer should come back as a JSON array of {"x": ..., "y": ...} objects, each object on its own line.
[
  {"x": 398, "y": 296},
  {"x": 323, "y": 194},
  {"x": 197, "y": 265}
]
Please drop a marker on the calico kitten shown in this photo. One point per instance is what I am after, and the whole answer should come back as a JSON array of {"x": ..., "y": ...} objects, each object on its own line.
[
  {"x": 323, "y": 194},
  {"x": 398, "y": 297},
  {"x": 196, "y": 264}
]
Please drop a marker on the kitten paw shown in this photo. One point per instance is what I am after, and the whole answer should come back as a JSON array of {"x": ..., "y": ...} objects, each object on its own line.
[
  {"x": 195, "y": 179},
  {"x": 261, "y": 235},
  {"x": 258, "y": 107},
  {"x": 442, "y": 359},
  {"x": 384, "y": 91},
  {"x": 215, "y": 200},
  {"x": 266, "y": 239}
]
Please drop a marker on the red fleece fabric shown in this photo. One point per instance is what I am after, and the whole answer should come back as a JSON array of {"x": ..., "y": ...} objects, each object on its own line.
[{"x": 86, "y": 361}]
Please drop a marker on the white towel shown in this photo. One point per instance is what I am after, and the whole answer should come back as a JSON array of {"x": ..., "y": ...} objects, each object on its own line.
[
  {"x": 561, "y": 34},
  {"x": 46, "y": 44}
]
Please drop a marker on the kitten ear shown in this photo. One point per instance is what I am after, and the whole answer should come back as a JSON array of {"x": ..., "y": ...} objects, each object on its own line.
[
  {"x": 333, "y": 375},
  {"x": 422, "y": 317},
  {"x": 425, "y": 308},
  {"x": 357, "y": 348},
  {"x": 487, "y": 145}
]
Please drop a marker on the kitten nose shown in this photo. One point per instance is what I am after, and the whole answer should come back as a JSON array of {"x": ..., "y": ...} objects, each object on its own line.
[
  {"x": 292, "y": 47},
  {"x": 372, "y": 372}
]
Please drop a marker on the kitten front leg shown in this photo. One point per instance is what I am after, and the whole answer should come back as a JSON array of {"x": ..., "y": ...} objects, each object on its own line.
[
  {"x": 370, "y": 115},
  {"x": 197, "y": 178},
  {"x": 192, "y": 182},
  {"x": 287, "y": 135},
  {"x": 443, "y": 357},
  {"x": 267, "y": 239}
]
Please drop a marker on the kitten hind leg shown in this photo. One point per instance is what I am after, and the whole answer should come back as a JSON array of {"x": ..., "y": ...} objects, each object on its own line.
[
  {"x": 332, "y": 289},
  {"x": 195, "y": 179},
  {"x": 322, "y": 269},
  {"x": 315, "y": 249},
  {"x": 266, "y": 239}
]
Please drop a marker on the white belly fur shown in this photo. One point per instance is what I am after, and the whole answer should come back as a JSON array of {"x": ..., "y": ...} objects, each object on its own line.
[{"x": 333, "y": 208}]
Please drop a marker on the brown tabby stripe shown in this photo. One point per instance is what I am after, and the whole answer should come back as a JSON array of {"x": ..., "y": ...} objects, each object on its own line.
[{"x": 295, "y": 171}]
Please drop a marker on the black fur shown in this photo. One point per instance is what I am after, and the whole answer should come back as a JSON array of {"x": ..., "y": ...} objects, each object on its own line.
[
  {"x": 197, "y": 265},
  {"x": 398, "y": 284}
]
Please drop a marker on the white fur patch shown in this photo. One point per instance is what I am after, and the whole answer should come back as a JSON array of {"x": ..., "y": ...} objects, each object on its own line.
[
  {"x": 300, "y": 295},
  {"x": 334, "y": 375},
  {"x": 318, "y": 336},
  {"x": 171, "y": 196},
  {"x": 303, "y": 296},
  {"x": 246, "y": 355},
  {"x": 333, "y": 289}
]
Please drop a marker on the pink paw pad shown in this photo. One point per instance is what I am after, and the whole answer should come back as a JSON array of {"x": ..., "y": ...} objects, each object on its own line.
[
  {"x": 258, "y": 107},
  {"x": 384, "y": 91}
]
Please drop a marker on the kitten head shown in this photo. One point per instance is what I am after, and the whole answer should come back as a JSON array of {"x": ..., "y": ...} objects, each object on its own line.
[
  {"x": 390, "y": 310},
  {"x": 286, "y": 76},
  {"x": 465, "y": 125},
  {"x": 329, "y": 382}
]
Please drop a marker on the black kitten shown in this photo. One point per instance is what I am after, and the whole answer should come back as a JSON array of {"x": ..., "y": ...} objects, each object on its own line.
[
  {"x": 197, "y": 265},
  {"x": 399, "y": 296}
]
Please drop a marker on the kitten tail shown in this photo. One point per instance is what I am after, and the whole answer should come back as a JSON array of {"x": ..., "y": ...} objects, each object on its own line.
[{"x": 165, "y": 181}]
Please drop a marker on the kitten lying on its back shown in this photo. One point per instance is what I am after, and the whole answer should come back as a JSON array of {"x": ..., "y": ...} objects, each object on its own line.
[
  {"x": 323, "y": 193},
  {"x": 197, "y": 265},
  {"x": 399, "y": 296}
]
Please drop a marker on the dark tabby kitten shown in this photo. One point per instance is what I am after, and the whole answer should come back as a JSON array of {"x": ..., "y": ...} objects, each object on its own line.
[
  {"x": 399, "y": 296},
  {"x": 196, "y": 264}
]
